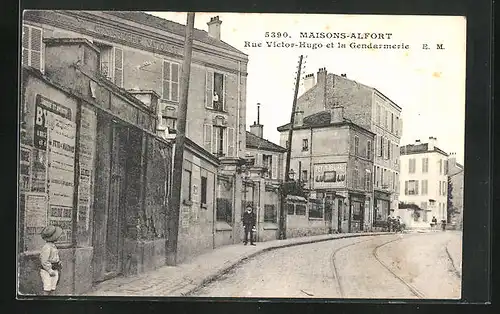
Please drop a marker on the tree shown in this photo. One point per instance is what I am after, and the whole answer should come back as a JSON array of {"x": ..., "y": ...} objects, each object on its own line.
[
  {"x": 293, "y": 187},
  {"x": 451, "y": 208}
]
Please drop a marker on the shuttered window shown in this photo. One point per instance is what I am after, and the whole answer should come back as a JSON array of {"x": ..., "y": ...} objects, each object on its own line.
[
  {"x": 207, "y": 130},
  {"x": 230, "y": 142},
  {"x": 275, "y": 168},
  {"x": 118, "y": 66},
  {"x": 170, "y": 81},
  {"x": 32, "y": 47}
]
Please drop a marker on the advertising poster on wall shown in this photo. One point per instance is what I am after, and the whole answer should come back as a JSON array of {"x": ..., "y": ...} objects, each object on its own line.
[
  {"x": 87, "y": 155},
  {"x": 35, "y": 218},
  {"x": 330, "y": 175},
  {"x": 54, "y": 161}
]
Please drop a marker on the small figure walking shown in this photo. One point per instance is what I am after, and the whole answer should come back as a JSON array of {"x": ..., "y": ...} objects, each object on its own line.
[
  {"x": 49, "y": 259},
  {"x": 249, "y": 224}
]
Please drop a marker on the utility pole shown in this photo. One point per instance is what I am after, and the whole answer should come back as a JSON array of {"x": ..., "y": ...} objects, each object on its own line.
[
  {"x": 174, "y": 210},
  {"x": 282, "y": 224}
]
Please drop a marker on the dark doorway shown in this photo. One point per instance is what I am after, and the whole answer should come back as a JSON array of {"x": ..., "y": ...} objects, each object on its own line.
[{"x": 114, "y": 219}]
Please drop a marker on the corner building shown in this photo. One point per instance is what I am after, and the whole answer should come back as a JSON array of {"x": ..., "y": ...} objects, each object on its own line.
[
  {"x": 142, "y": 52},
  {"x": 334, "y": 158},
  {"x": 369, "y": 108}
]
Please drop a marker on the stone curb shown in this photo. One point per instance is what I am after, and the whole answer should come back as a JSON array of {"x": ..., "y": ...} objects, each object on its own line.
[{"x": 231, "y": 265}]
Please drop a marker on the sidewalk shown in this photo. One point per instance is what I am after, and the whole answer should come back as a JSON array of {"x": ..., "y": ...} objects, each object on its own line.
[{"x": 183, "y": 279}]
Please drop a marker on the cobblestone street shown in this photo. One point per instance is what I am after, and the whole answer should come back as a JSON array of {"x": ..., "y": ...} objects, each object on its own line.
[{"x": 396, "y": 266}]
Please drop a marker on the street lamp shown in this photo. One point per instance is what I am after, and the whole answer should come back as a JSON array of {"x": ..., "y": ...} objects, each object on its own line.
[{"x": 291, "y": 174}]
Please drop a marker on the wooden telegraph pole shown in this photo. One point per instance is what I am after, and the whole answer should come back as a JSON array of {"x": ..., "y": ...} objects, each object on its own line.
[
  {"x": 282, "y": 224},
  {"x": 174, "y": 210}
]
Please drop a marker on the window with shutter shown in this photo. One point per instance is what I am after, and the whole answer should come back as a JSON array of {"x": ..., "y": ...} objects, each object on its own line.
[
  {"x": 170, "y": 81},
  {"x": 207, "y": 129},
  {"x": 32, "y": 47},
  {"x": 209, "y": 87},
  {"x": 225, "y": 141},
  {"x": 230, "y": 142},
  {"x": 118, "y": 67},
  {"x": 275, "y": 168}
]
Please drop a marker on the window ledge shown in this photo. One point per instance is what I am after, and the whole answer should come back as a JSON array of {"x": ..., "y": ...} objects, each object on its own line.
[
  {"x": 187, "y": 203},
  {"x": 202, "y": 205},
  {"x": 315, "y": 218},
  {"x": 218, "y": 111},
  {"x": 223, "y": 226}
]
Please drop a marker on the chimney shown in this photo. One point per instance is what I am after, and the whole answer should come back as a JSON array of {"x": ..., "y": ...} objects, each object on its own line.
[
  {"x": 299, "y": 118},
  {"x": 343, "y": 75},
  {"x": 309, "y": 82},
  {"x": 417, "y": 142},
  {"x": 257, "y": 129},
  {"x": 452, "y": 161},
  {"x": 337, "y": 114},
  {"x": 432, "y": 143},
  {"x": 321, "y": 77},
  {"x": 214, "y": 27}
]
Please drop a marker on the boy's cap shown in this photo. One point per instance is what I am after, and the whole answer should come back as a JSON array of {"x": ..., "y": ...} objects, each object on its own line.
[{"x": 51, "y": 233}]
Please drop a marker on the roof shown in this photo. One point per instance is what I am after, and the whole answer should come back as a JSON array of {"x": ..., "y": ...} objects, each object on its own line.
[
  {"x": 321, "y": 119},
  {"x": 171, "y": 27},
  {"x": 253, "y": 141},
  {"x": 419, "y": 149},
  {"x": 369, "y": 87}
]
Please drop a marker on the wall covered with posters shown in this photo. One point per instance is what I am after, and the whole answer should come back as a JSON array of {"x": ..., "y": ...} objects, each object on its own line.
[{"x": 48, "y": 180}]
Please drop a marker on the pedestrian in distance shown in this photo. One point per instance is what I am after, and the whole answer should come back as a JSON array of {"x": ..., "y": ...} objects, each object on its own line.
[
  {"x": 389, "y": 223},
  {"x": 434, "y": 222},
  {"x": 443, "y": 224},
  {"x": 50, "y": 264},
  {"x": 249, "y": 225}
]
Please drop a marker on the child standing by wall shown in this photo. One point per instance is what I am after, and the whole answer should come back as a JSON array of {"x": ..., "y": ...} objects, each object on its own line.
[{"x": 49, "y": 259}]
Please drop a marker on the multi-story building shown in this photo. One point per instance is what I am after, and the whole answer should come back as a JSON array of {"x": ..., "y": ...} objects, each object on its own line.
[
  {"x": 334, "y": 158},
  {"x": 139, "y": 51},
  {"x": 456, "y": 197},
  {"x": 369, "y": 108},
  {"x": 424, "y": 183},
  {"x": 125, "y": 67}
]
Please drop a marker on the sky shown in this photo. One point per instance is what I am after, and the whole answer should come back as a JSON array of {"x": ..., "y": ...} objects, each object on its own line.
[{"x": 429, "y": 85}]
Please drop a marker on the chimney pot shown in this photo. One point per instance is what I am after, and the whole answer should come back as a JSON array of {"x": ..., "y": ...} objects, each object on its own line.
[{"x": 214, "y": 27}]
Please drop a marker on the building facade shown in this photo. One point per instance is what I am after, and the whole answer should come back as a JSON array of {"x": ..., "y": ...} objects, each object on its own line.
[
  {"x": 370, "y": 109},
  {"x": 92, "y": 164},
  {"x": 261, "y": 184},
  {"x": 424, "y": 183},
  {"x": 139, "y": 51},
  {"x": 109, "y": 80},
  {"x": 334, "y": 158},
  {"x": 456, "y": 197}
]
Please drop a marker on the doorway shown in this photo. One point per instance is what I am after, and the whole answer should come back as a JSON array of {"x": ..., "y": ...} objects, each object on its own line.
[{"x": 116, "y": 206}]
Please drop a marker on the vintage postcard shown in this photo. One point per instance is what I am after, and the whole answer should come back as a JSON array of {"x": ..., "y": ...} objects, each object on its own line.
[{"x": 168, "y": 154}]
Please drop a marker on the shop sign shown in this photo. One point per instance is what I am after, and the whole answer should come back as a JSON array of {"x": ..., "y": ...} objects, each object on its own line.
[{"x": 330, "y": 175}]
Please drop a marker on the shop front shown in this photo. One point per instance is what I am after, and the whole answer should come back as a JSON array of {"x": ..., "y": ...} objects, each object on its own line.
[{"x": 381, "y": 209}]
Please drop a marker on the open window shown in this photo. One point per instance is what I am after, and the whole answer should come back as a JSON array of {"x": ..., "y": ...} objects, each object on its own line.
[{"x": 215, "y": 91}]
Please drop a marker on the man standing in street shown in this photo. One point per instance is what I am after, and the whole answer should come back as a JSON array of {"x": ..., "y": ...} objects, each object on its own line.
[{"x": 249, "y": 224}]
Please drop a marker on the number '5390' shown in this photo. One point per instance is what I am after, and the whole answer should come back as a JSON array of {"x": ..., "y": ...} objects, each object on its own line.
[{"x": 276, "y": 35}]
